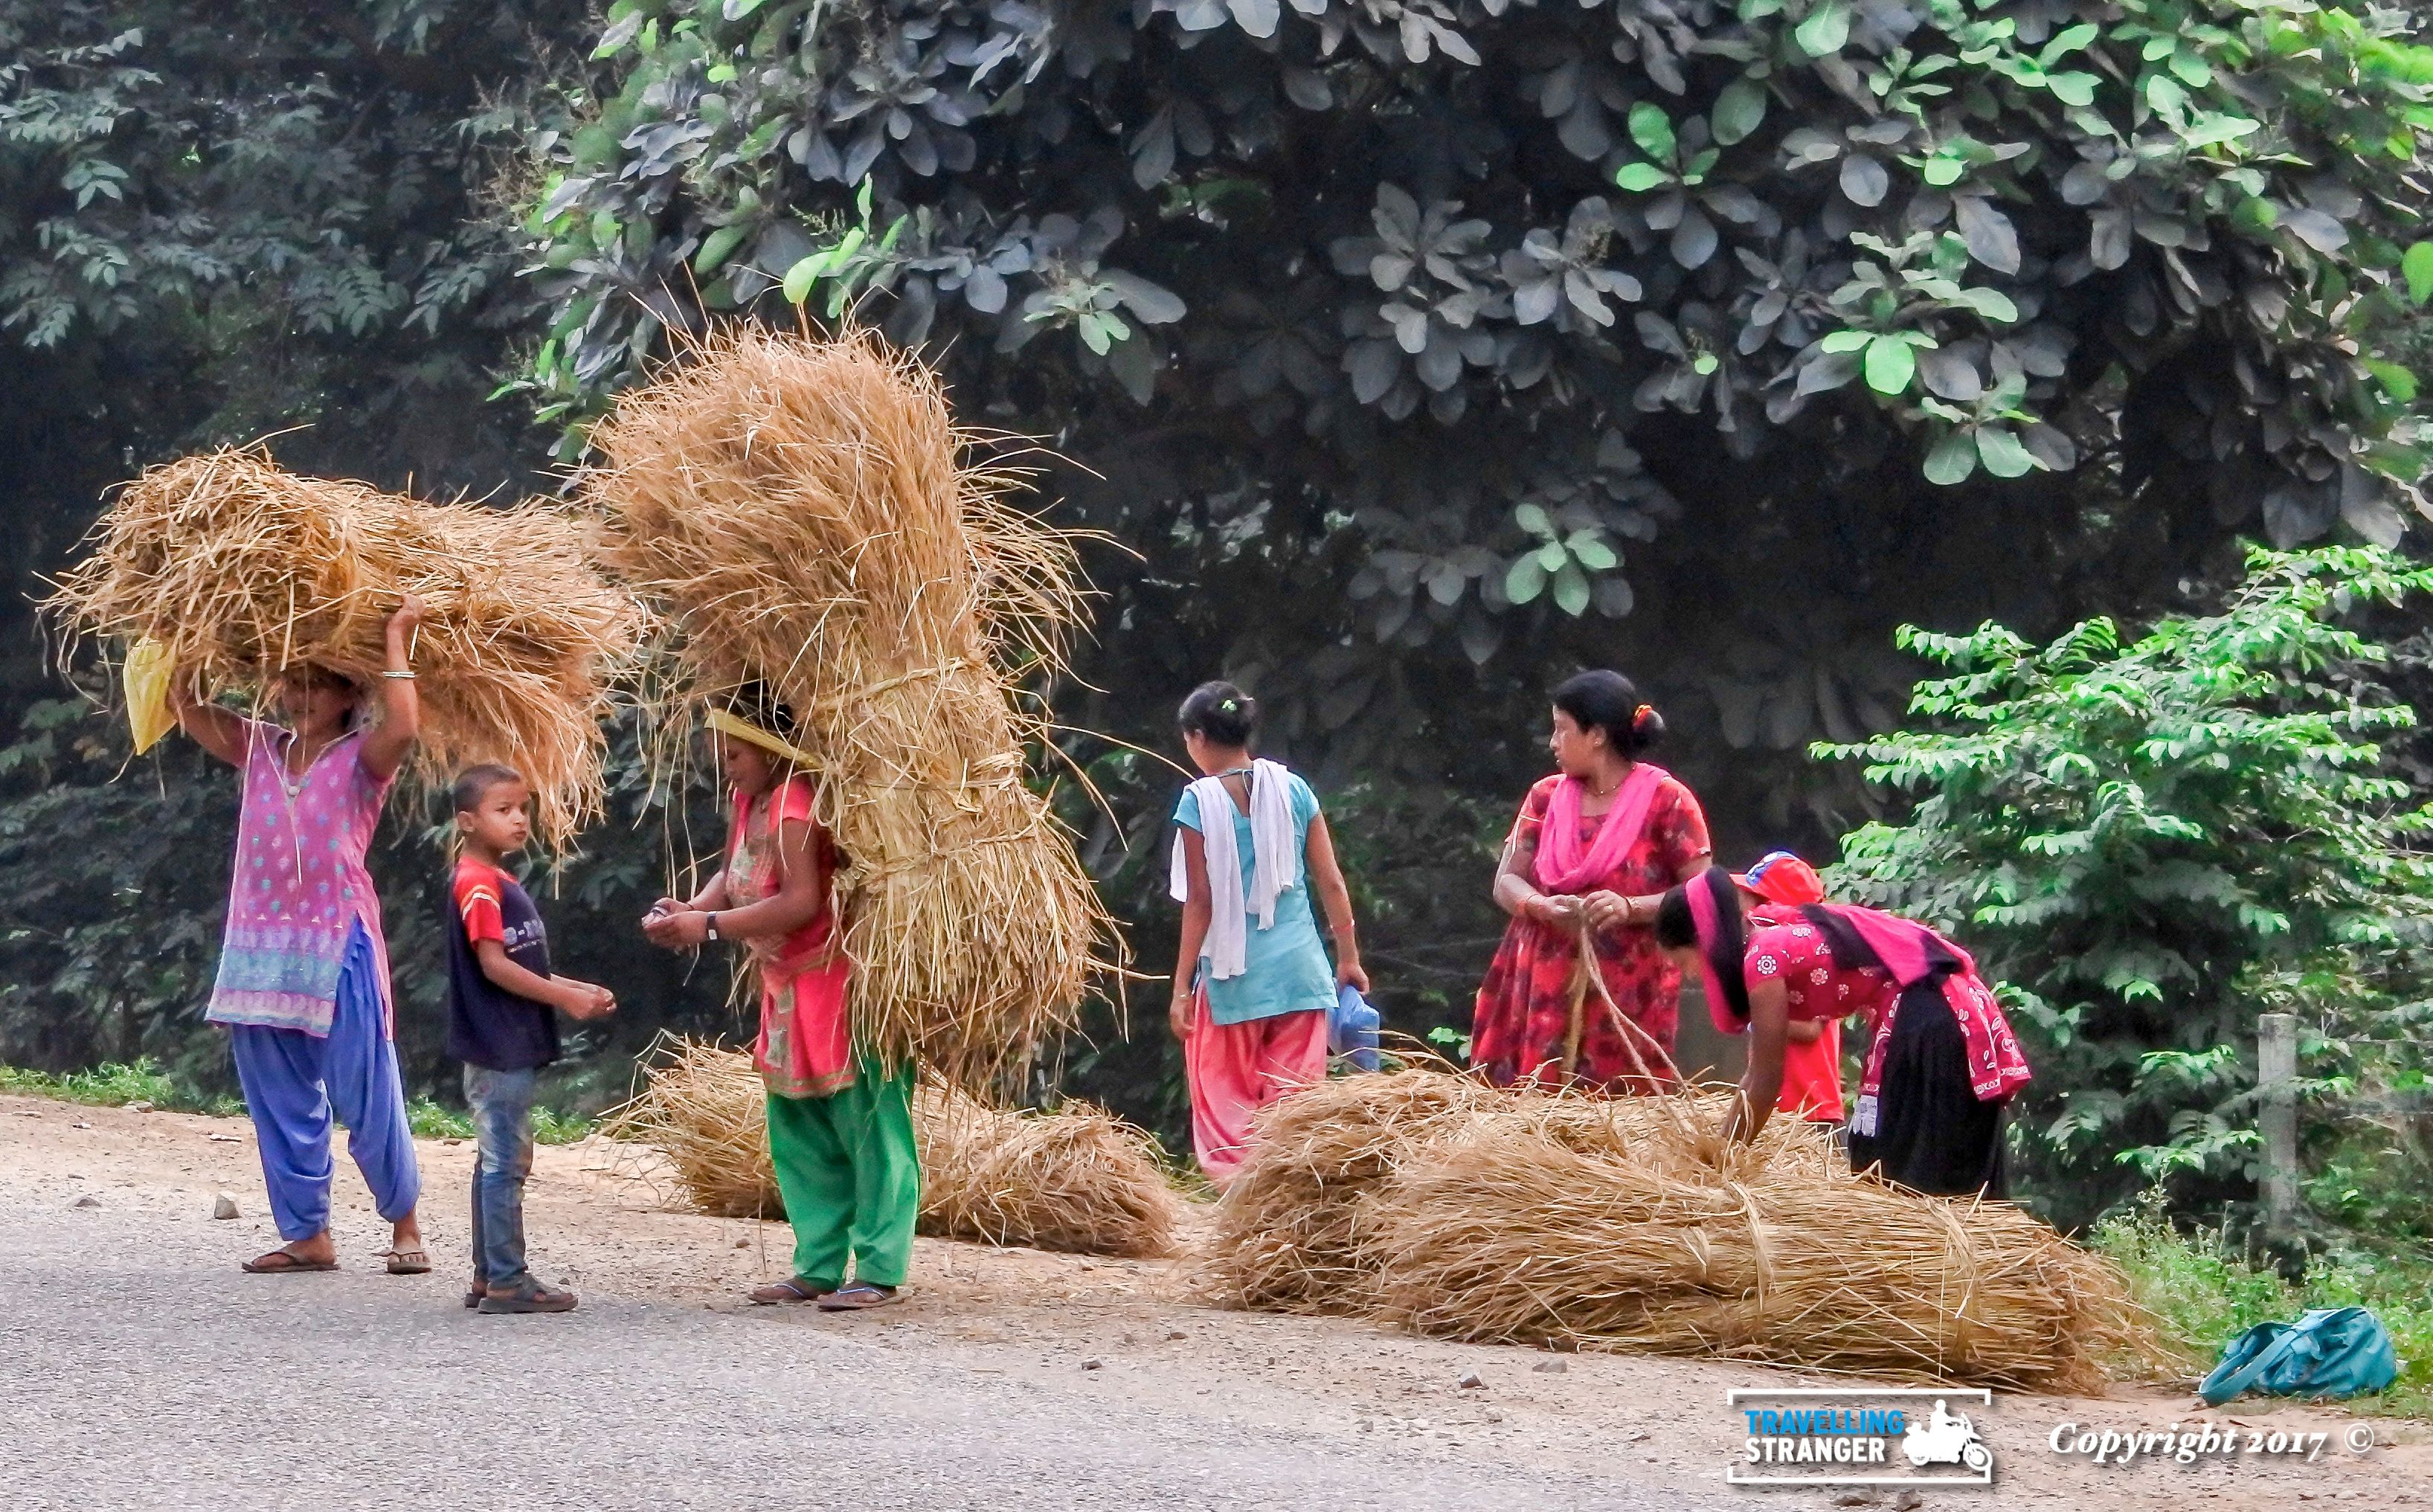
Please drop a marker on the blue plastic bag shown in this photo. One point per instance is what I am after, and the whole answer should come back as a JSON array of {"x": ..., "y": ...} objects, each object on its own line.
[
  {"x": 2330, "y": 1351},
  {"x": 1352, "y": 1028}
]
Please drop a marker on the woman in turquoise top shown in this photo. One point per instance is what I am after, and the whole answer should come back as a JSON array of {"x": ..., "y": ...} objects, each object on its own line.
[{"x": 1252, "y": 983}]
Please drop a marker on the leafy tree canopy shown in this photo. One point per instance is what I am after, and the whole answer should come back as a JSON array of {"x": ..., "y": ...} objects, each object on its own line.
[
  {"x": 2152, "y": 840},
  {"x": 1465, "y": 280}
]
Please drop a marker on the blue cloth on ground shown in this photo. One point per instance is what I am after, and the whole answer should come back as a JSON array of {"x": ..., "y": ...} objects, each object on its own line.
[
  {"x": 2330, "y": 1351},
  {"x": 294, "y": 1081}
]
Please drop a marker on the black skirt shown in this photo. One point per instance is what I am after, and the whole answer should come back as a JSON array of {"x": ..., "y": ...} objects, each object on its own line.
[{"x": 1932, "y": 1132}]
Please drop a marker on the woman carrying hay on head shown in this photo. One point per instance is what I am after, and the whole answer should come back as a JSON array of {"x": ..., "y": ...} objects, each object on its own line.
[
  {"x": 839, "y": 1122},
  {"x": 1941, "y": 1060},
  {"x": 1590, "y": 855},
  {"x": 1252, "y": 986},
  {"x": 303, "y": 983}
]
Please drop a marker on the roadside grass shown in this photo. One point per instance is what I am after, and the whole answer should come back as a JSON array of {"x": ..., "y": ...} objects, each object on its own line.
[
  {"x": 118, "y": 1084},
  {"x": 2203, "y": 1294}
]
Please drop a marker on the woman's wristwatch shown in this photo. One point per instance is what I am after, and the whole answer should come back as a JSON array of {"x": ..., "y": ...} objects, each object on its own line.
[{"x": 710, "y": 922}]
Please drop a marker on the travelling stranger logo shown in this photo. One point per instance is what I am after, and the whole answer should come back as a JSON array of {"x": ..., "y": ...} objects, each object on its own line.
[{"x": 1858, "y": 1437}]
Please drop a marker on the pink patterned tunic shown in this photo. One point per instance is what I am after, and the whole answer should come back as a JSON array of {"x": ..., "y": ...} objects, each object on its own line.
[{"x": 301, "y": 887}]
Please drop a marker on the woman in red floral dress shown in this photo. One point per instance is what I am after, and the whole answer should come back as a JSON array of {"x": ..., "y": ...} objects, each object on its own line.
[{"x": 1596, "y": 848}]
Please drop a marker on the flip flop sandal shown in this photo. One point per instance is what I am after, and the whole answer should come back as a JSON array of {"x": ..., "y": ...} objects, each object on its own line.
[
  {"x": 788, "y": 1292},
  {"x": 407, "y": 1262},
  {"x": 283, "y": 1263},
  {"x": 473, "y": 1296},
  {"x": 857, "y": 1297}
]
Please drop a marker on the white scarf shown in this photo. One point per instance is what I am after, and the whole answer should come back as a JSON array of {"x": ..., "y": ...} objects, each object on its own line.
[{"x": 1275, "y": 863}]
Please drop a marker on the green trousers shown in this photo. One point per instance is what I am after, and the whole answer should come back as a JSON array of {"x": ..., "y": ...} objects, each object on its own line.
[{"x": 850, "y": 1176}]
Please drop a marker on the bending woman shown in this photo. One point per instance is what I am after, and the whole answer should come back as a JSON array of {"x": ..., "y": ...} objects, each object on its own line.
[
  {"x": 1587, "y": 860},
  {"x": 1252, "y": 985},
  {"x": 1941, "y": 1061},
  {"x": 840, "y": 1121},
  {"x": 303, "y": 983}
]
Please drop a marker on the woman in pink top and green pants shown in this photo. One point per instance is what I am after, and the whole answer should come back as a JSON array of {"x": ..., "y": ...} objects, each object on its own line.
[{"x": 303, "y": 983}]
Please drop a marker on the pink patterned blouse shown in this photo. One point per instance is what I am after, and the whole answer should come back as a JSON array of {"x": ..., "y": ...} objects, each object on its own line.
[{"x": 301, "y": 887}]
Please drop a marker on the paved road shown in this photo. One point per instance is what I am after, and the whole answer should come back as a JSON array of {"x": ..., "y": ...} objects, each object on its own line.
[{"x": 140, "y": 1372}]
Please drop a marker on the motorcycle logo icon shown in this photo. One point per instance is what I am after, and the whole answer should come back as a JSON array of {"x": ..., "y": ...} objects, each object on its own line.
[{"x": 1945, "y": 1437}]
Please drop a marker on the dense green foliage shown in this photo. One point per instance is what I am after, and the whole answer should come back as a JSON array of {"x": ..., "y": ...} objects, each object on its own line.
[
  {"x": 2153, "y": 839},
  {"x": 1421, "y": 295}
]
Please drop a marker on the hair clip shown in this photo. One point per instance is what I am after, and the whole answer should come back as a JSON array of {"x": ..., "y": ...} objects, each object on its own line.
[{"x": 1640, "y": 713}]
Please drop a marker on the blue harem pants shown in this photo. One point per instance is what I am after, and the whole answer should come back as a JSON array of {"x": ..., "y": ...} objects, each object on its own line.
[{"x": 293, "y": 1080}]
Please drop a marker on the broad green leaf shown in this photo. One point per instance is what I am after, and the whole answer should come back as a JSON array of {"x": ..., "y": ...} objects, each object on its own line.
[
  {"x": 2396, "y": 381},
  {"x": 1826, "y": 29},
  {"x": 1943, "y": 172},
  {"x": 1739, "y": 111},
  {"x": 1532, "y": 518},
  {"x": 2417, "y": 267},
  {"x": 1524, "y": 580},
  {"x": 1891, "y": 364},
  {"x": 1594, "y": 554},
  {"x": 1552, "y": 555},
  {"x": 1846, "y": 340},
  {"x": 799, "y": 278},
  {"x": 1953, "y": 459},
  {"x": 1640, "y": 176},
  {"x": 1653, "y": 130},
  {"x": 717, "y": 246},
  {"x": 1572, "y": 590},
  {"x": 2004, "y": 455}
]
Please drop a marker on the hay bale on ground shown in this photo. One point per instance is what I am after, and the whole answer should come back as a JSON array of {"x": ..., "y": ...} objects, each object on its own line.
[
  {"x": 802, "y": 512},
  {"x": 1438, "y": 1203},
  {"x": 1077, "y": 1178},
  {"x": 1288, "y": 1232},
  {"x": 242, "y": 570},
  {"x": 1505, "y": 1237}
]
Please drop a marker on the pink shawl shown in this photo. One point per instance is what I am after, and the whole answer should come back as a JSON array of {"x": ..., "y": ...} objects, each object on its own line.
[{"x": 1562, "y": 865}]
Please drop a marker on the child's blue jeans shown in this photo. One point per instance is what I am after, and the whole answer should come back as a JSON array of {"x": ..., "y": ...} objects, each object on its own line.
[{"x": 502, "y": 1104}]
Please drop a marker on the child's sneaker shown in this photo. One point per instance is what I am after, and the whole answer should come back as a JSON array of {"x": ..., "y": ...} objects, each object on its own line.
[{"x": 532, "y": 1297}]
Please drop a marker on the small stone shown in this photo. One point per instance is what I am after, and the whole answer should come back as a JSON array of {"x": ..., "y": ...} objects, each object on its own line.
[
  {"x": 1472, "y": 1381},
  {"x": 1174, "y": 1333},
  {"x": 1494, "y": 1415},
  {"x": 225, "y": 1139},
  {"x": 1551, "y": 1366},
  {"x": 1420, "y": 1425},
  {"x": 139, "y": 1106},
  {"x": 742, "y": 1244},
  {"x": 1855, "y": 1499},
  {"x": 88, "y": 1201},
  {"x": 79, "y": 1123},
  {"x": 451, "y": 1143},
  {"x": 223, "y": 1206},
  {"x": 1093, "y": 1364},
  {"x": 1129, "y": 1340}
]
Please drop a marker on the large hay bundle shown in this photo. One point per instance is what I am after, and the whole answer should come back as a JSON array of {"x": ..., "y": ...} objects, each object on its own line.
[
  {"x": 1077, "y": 1178},
  {"x": 801, "y": 510},
  {"x": 1505, "y": 1237},
  {"x": 1296, "y": 1230},
  {"x": 1444, "y": 1205},
  {"x": 242, "y": 570}
]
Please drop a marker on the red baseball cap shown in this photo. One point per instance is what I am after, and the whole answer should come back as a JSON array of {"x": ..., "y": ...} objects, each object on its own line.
[{"x": 1779, "y": 877}]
